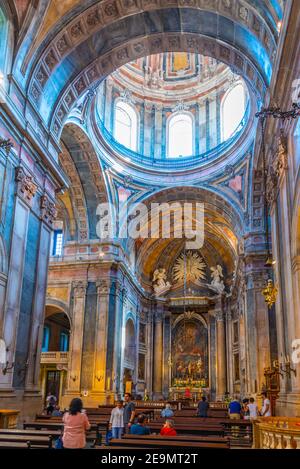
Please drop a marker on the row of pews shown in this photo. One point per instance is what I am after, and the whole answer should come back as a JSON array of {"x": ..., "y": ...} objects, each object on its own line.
[{"x": 216, "y": 431}]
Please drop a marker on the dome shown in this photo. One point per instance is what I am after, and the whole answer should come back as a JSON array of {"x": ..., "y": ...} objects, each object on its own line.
[{"x": 172, "y": 108}]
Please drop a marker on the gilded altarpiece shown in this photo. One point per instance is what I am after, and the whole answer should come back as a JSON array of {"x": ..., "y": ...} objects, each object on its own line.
[{"x": 189, "y": 356}]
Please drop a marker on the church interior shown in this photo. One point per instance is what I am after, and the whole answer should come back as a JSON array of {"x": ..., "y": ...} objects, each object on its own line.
[{"x": 150, "y": 214}]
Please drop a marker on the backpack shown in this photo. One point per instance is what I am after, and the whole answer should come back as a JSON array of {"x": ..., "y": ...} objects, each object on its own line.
[{"x": 59, "y": 443}]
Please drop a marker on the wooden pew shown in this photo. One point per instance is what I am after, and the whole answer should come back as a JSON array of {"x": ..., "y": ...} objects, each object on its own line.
[
  {"x": 240, "y": 432},
  {"x": 31, "y": 441},
  {"x": 165, "y": 443},
  {"x": 94, "y": 434},
  {"x": 203, "y": 429},
  {"x": 184, "y": 438},
  {"x": 14, "y": 445},
  {"x": 53, "y": 433}
]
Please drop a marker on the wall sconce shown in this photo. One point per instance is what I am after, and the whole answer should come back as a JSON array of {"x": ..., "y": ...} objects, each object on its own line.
[
  {"x": 287, "y": 370},
  {"x": 277, "y": 368},
  {"x": 270, "y": 293},
  {"x": 99, "y": 378},
  {"x": 7, "y": 368},
  {"x": 73, "y": 377}
]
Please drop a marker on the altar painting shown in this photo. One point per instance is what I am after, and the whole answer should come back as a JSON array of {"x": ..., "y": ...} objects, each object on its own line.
[{"x": 190, "y": 354}]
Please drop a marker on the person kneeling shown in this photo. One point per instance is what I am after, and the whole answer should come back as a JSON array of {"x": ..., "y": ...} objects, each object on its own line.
[{"x": 139, "y": 428}]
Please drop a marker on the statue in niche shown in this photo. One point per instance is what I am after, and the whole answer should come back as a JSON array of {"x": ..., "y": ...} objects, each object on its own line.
[
  {"x": 217, "y": 278},
  {"x": 159, "y": 282},
  {"x": 153, "y": 78}
]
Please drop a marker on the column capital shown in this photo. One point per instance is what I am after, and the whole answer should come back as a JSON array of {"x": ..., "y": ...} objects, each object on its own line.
[
  {"x": 148, "y": 105},
  {"x": 103, "y": 287},
  {"x": 219, "y": 315},
  {"x": 26, "y": 187},
  {"x": 79, "y": 288},
  {"x": 48, "y": 210}
]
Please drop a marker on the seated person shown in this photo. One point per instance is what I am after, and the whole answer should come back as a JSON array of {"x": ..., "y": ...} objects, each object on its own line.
[
  {"x": 202, "y": 408},
  {"x": 57, "y": 412},
  {"x": 139, "y": 428},
  {"x": 167, "y": 412},
  {"x": 168, "y": 429}
]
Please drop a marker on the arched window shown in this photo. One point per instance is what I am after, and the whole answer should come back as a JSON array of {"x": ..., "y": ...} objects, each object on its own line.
[
  {"x": 3, "y": 44},
  {"x": 180, "y": 135},
  {"x": 126, "y": 125},
  {"x": 233, "y": 110}
]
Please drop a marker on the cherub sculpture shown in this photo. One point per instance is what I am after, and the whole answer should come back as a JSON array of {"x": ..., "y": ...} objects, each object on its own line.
[
  {"x": 217, "y": 278},
  {"x": 159, "y": 282}
]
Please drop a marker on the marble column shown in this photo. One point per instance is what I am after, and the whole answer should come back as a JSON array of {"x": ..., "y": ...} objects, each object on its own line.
[
  {"x": 213, "y": 130},
  {"x": 296, "y": 285},
  {"x": 158, "y": 355},
  {"x": 101, "y": 332},
  {"x": 221, "y": 354},
  {"x": 25, "y": 192},
  {"x": 229, "y": 347},
  {"x": 48, "y": 214},
  {"x": 109, "y": 111},
  {"x": 117, "y": 343},
  {"x": 76, "y": 339},
  {"x": 149, "y": 355},
  {"x": 202, "y": 126},
  {"x": 158, "y": 131},
  {"x": 148, "y": 124},
  {"x": 212, "y": 355},
  {"x": 167, "y": 354}
]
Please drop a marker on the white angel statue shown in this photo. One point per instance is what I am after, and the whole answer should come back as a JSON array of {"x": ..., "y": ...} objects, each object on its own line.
[{"x": 217, "y": 278}]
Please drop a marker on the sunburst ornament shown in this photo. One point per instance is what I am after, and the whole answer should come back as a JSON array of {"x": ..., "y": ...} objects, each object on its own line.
[{"x": 189, "y": 267}]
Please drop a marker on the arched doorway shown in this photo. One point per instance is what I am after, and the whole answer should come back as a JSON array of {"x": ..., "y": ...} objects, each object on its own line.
[
  {"x": 129, "y": 357},
  {"x": 55, "y": 352}
]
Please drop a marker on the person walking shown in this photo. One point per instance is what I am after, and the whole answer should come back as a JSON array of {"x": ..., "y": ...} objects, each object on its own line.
[
  {"x": 203, "y": 407},
  {"x": 75, "y": 426},
  {"x": 116, "y": 423},
  {"x": 51, "y": 402}
]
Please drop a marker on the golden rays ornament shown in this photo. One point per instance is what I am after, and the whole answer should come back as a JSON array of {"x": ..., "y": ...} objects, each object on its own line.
[{"x": 189, "y": 268}]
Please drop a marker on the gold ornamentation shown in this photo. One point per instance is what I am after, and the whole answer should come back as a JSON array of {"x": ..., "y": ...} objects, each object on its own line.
[
  {"x": 270, "y": 293},
  {"x": 189, "y": 268}
]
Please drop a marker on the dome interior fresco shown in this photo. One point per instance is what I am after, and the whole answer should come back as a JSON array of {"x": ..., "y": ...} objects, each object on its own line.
[{"x": 190, "y": 95}]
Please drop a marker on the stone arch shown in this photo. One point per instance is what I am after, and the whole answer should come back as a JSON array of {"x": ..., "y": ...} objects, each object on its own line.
[
  {"x": 223, "y": 231},
  {"x": 195, "y": 316},
  {"x": 247, "y": 38},
  {"x": 60, "y": 306},
  {"x": 85, "y": 170},
  {"x": 130, "y": 343}
]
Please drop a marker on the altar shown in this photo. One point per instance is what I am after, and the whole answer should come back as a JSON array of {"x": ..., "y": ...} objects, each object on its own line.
[{"x": 189, "y": 361}]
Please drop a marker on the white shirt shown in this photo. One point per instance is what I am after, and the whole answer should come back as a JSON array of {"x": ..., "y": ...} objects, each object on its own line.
[
  {"x": 116, "y": 418},
  {"x": 253, "y": 410},
  {"x": 267, "y": 414}
]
